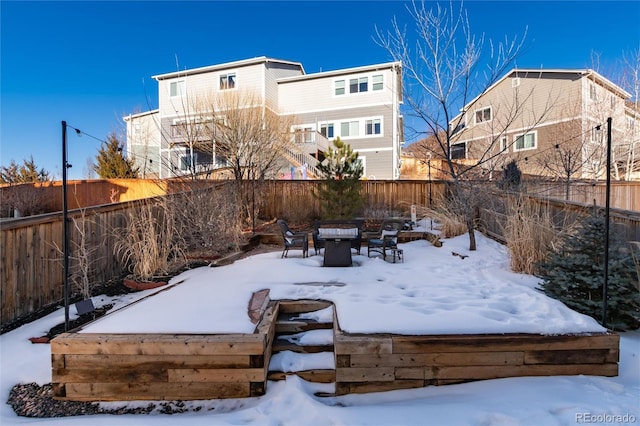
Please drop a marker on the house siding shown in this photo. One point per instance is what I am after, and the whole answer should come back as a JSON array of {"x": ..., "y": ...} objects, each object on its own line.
[
  {"x": 309, "y": 99},
  {"x": 555, "y": 105}
]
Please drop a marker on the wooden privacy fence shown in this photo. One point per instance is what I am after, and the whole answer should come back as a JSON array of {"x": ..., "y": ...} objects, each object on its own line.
[
  {"x": 30, "y": 259},
  {"x": 493, "y": 217}
]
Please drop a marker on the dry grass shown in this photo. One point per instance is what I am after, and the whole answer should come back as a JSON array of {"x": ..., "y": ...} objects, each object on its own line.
[
  {"x": 449, "y": 221},
  {"x": 530, "y": 231},
  {"x": 149, "y": 243}
]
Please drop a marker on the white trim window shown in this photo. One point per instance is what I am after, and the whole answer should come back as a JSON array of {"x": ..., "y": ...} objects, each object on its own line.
[
  {"x": 373, "y": 127},
  {"x": 525, "y": 141},
  {"x": 177, "y": 88},
  {"x": 350, "y": 128},
  {"x": 504, "y": 148},
  {"x": 359, "y": 85},
  {"x": 228, "y": 81},
  {"x": 593, "y": 92},
  {"x": 377, "y": 82},
  {"x": 339, "y": 87},
  {"x": 482, "y": 115},
  {"x": 327, "y": 130}
]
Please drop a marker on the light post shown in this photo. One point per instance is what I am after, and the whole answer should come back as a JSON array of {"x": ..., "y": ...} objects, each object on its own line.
[
  {"x": 65, "y": 224},
  {"x": 606, "y": 227}
]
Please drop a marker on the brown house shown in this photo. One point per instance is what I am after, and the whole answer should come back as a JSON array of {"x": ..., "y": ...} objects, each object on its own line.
[{"x": 553, "y": 123}]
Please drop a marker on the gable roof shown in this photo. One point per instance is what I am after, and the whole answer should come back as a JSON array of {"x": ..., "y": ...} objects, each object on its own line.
[
  {"x": 586, "y": 72},
  {"x": 344, "y": 71},
  {"x": 226, "y": 65}
]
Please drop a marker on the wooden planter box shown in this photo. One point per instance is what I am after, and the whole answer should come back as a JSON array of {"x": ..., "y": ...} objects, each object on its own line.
[
  {"x": 374, "y": 363},
  {"x": 116, "y": 367}
]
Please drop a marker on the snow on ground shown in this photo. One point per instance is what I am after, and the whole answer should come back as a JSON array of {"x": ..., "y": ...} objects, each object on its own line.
[{"x": 432, "y": 291}]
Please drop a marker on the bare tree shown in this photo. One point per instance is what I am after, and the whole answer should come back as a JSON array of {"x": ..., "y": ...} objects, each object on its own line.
[
  {"x": 443, "y": 76},
  {"x": 628, "y": 157}
]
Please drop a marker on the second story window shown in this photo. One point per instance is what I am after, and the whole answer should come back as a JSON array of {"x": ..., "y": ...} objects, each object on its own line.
[
  {"x": 227, "y": 81},
  {"x": 373, "y": 127},
  {"x": 483, "y": 115},
  {"x": 593, "y": 92},
  {"x": 339, "y": 87},
  {"x": 349, "y": 128},
  {"x": 358, "y": 85},
  {"x": 177, "y": 88},
  {"x": 526, "y": 141},
  {"x": 326, "y": 130}
]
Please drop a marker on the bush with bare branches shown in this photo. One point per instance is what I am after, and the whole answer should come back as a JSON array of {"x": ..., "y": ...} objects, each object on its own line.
[{"x": 150, "y": 242}]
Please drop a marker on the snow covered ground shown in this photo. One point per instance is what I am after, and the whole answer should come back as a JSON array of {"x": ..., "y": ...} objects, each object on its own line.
[{"x": 431, "y": 292}]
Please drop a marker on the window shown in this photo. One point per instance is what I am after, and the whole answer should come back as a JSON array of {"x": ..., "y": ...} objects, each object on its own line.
[
  {"x": 349, "y": 128},
  {"x": 526, "y": 141},
  {"x": 592, "y": 92},
  {"x": 458, "y": 151},
  {"x": 358, "y": 85},
  {"x": 176, "y": 88},
  {"x": 377, "y": 82},
  {"x": 339, "y": 87},
  {"x": 596, "y": 134},
  {"x": 326, "y": 130},
  {"x": 227, "y": 81},
  {"x": 515, "y": 82},
  {"x": 483, "y": 115},
  {"x": 503, "y": 145},
  {"x": 373, "y": 127},
  {"x": 613, "y": 101}
]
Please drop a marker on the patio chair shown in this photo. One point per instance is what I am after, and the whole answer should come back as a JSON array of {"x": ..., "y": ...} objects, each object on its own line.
[
  {"x": 386, "y": 239},
  {"x": 293, "y": 240}
]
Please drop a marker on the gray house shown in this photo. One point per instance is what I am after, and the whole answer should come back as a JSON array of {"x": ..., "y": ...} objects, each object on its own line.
[{"x": 360, "y": 105}]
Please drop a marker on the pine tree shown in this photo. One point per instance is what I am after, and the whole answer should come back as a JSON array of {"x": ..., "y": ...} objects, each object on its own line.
[
  {"x": 26, "y": 173},
  {"x": 340, "y": 191},
  {"x": 574, "y": 274},
  {"x": 112, "y": 163}
]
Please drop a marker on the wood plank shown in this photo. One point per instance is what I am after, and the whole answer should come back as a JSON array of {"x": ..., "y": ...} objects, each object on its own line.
[
  {"x": 368, "y": 387},
  {"x": 583, "y": 356},
  {"x": 381, "y": 374},
  {"x": 166, "y": 361},
  {"x": 351, "y": 345},
  {"x": 314, "y": 376},
  {"x": 506, "y": 342},
  {"x": 432, "y": 359},
  {"x": 110, "y": 375},
  {"x": 409, "y": 373},
  {"x": 489, "y": 372},
  {"x": 58, "y": 361},
  {"x": 154, "y": 391},
  {"x": 216, "y": 375},
  {"x": 300, "y": 306},
  {"x": 150, "y": 344}
]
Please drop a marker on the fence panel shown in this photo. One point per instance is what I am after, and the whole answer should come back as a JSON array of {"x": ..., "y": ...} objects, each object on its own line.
[{"x": 30, "y": 258}]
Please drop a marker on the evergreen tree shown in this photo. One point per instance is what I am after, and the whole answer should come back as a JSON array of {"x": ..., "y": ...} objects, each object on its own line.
[
  {"x": 26, "y": 173},
  {"x": 340, "y": 191},
  {"x": 574, "y": 274},
  {"x": 112, "y": 163},
  {"x": 512, "y": 177}
]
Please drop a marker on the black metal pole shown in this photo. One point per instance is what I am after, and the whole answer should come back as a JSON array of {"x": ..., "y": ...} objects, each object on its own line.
[
  {"x": 65, "y": 230},
  {"x": 605, "y": 284}
]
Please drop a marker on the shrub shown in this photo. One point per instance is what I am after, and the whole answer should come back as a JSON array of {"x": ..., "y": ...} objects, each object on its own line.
[{"x": 574, "y": 274}]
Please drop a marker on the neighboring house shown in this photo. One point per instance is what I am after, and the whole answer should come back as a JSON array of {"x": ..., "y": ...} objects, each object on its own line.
[
  {"x": 553, "y": 123},
  {"x": 360, "y": 105}
]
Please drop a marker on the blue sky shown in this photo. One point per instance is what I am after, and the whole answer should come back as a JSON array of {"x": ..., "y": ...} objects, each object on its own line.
[{"x": 90, "y": 63}]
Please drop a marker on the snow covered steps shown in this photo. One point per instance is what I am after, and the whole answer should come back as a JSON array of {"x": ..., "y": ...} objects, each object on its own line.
[{"x": 303, "y": 342}]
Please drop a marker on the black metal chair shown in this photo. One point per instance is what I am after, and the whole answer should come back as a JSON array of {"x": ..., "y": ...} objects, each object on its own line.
[
  {"x": 293, "y": 240},
  {"x": 386, "y": 239}
]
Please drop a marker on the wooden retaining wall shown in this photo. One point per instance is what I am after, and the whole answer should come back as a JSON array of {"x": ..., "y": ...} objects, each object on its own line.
[
  {"x": 376, "y": 363},
  {"x": 113, "y": 367},
  {"x": 117, "y": 367}
]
